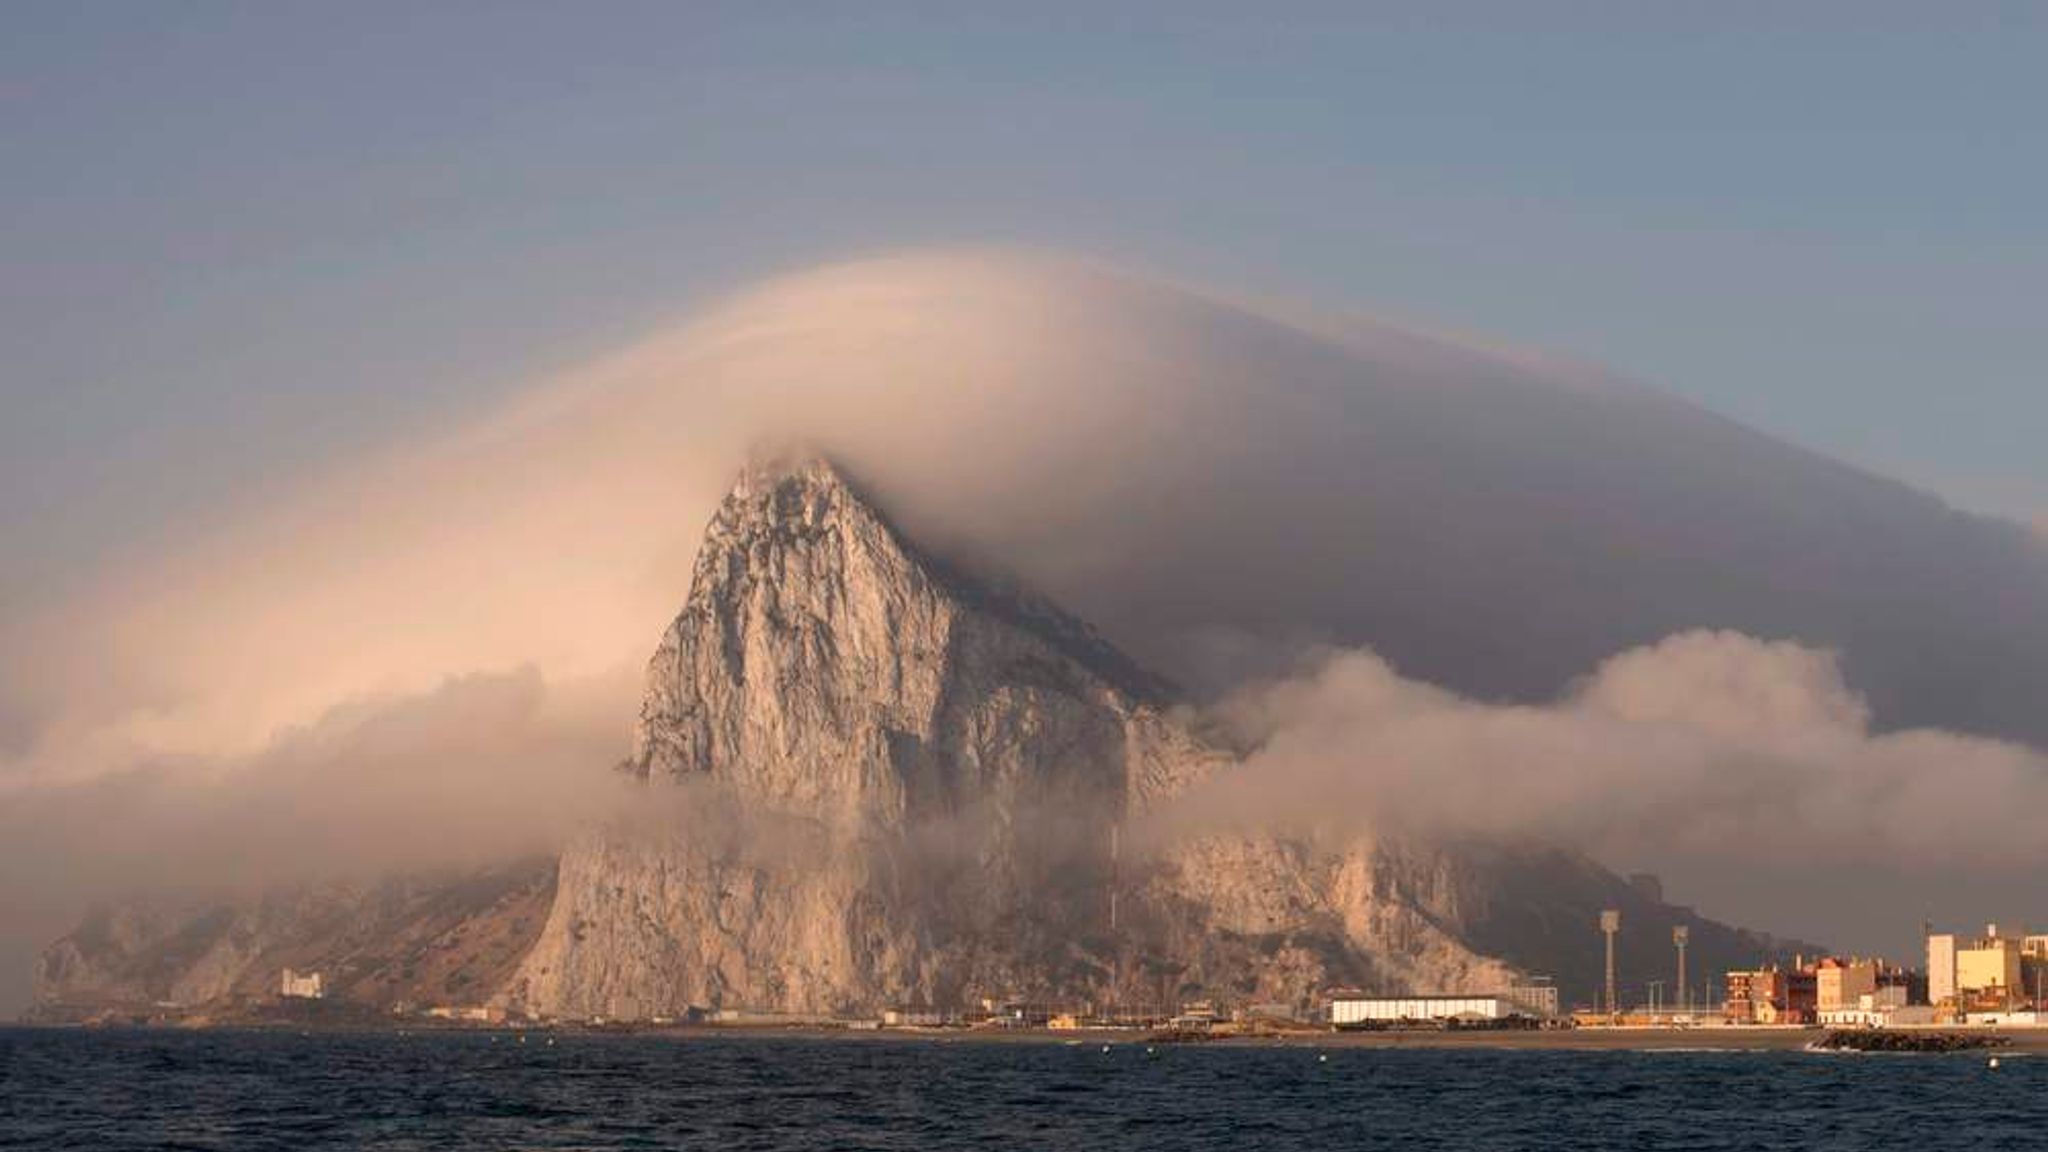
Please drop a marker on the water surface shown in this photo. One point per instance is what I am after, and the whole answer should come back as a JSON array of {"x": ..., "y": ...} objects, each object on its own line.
[{"x": 220, "y": 1090}]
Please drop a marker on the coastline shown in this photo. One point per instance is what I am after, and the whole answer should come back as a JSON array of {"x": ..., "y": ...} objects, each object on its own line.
[{"x": 1695, "y": 1039}]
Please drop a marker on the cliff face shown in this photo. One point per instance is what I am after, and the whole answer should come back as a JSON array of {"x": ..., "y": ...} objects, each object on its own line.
[
  {"x": 824, "y": 665},
  {"x": 891, "y": 781}
]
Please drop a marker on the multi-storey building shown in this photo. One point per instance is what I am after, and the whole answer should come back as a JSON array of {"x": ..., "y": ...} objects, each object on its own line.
[{"x": 1772, "y": 995}]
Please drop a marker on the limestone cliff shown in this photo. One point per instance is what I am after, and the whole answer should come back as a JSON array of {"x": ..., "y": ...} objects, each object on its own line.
[{"x": 917, "y": 772}]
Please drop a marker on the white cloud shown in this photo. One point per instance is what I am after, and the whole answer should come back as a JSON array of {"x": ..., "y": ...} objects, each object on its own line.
[{"x": 1705, "y": 744}]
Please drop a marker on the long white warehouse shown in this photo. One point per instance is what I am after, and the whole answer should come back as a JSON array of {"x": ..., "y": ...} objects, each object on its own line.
[{"x": 1389, "y": 1009}]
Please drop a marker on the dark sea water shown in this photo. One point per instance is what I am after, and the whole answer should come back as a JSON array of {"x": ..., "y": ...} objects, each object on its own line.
[{"x": 135, "y": 1090}]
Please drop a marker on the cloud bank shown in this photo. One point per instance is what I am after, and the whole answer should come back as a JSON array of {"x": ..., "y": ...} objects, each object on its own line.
[
  {"x": 1215, "y": 486},
  {"x": 1707, "y": 743}
]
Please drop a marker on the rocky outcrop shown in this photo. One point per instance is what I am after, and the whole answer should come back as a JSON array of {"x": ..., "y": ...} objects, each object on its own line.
[{"x": 896, "y": 781}]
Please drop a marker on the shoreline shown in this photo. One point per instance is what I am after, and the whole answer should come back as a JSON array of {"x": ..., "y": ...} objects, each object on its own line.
[{"x": 1694, "y": 1039}]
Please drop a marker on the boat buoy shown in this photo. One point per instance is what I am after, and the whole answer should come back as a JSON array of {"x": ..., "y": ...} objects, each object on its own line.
[
  {"x": 1105, "y": 1047},
  {"x": 1994, "y": 1061},
  {"x": 1322, "y": 1058}
]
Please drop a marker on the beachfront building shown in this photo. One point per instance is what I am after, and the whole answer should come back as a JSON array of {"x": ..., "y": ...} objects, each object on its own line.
[
  {"x": 1357, "y": 1010},
  {"x": 1829, "y": 988},
  {"x": 1840, "y": 984},
  {"x": 1887, "y": 1007},
  {"x": 1976, "y": 973},
  {"x": 1991, "y": 963},
  {"x": 1772, "y": 995},
  {"x": 1941, "y": 968}
]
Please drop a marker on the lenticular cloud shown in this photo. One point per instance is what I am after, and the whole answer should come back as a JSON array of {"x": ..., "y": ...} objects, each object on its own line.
[{"x": 1219, "y": 488}]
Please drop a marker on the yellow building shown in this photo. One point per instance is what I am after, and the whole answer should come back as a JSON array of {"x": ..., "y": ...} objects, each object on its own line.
[
  {"x": 1991, "y": 962},
  {"x": 1977, "y": 968},
  {"x": 1841, "y": 983}
]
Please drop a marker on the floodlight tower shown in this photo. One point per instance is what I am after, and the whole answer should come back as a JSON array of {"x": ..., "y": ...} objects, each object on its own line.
[
  {"x": 1115, "y": 872},
  {"x": 1610, "y": 924},
  {"x": 1116, "y": 940},
  {"x": 1681, "y": 935}
]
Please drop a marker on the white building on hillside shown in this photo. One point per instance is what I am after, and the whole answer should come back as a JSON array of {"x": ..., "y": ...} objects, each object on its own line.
[{"x": 301, "y": 986}]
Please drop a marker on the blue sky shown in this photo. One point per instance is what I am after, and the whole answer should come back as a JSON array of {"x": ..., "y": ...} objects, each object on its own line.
[{"x": 241, "y": 238}]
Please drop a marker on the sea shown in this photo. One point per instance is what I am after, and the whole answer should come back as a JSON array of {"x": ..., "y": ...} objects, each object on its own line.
[{"x": 114, "y": 1090}]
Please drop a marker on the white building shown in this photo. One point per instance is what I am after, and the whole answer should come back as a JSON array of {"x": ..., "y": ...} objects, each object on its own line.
[
  {"x": 1884, "y": 1008},
  {"x": 476, "y": 1014},
  {"x": 1941, "y": 968},
  {"x": 301, "y": 986},
  {"x": 1348, "y": 1009}
]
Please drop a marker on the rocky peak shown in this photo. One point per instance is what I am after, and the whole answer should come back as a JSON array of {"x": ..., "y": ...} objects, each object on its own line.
[{"x": 821, "y": 652}]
